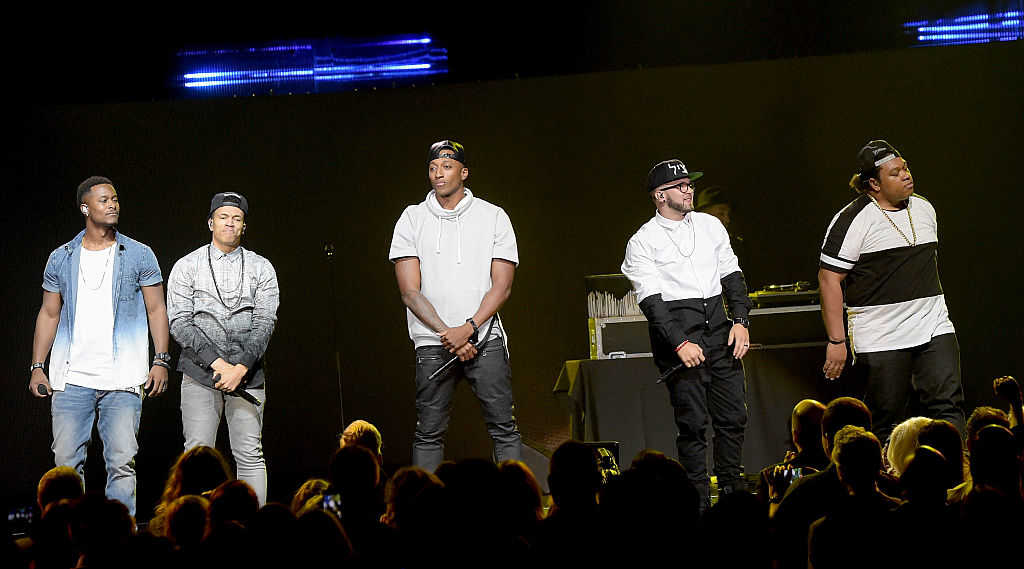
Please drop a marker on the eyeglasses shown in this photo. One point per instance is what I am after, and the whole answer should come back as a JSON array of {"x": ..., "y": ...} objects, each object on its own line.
[{"x": 683, "y": 187}]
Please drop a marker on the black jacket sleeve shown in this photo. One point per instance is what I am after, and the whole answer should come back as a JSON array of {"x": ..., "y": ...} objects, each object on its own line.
[
  {"x": 734, "y": 289},
  {"x": 660, "y": 319}
]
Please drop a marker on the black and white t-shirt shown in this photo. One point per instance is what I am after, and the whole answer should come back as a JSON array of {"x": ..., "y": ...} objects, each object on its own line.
[{"x": 893, "y": 295}]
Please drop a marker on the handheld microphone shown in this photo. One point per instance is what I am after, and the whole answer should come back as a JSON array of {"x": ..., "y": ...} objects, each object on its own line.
[
  {"x": 240, "y": 392},
  {"x": 672, "y": 370},
  {"x": 41, "y": 390},
  {"x": 246, "y": 396}
]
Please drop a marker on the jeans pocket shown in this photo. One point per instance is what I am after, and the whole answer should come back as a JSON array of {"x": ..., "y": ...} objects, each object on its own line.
[{"x": 492, "y": 348}]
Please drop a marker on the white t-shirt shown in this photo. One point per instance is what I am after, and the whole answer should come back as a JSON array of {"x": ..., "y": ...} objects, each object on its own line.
[
  {"x": 92, "y": 340},
  {"x": 455, "y": 249}
]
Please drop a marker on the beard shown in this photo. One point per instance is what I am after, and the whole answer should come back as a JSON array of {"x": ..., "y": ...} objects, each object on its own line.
[{"x": 681, "y": 207}]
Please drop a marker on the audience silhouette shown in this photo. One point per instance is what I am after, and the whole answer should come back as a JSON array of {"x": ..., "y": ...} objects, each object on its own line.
[{"x": 838, "y": 501}]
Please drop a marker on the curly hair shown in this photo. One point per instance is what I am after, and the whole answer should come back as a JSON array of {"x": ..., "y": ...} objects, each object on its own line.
[{"x": 197, "y": 471}]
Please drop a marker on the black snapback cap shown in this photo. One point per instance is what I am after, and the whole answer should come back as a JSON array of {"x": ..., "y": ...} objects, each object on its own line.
[
  {"x": 669, "y": 171},
  {"x": 448, "y": 149},
  {"x": 229, "y": 198},
  {"x": 874, "y": 154}
]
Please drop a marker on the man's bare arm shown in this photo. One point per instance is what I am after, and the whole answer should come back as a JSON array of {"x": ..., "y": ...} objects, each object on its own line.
[
  {"x": 832, "y": 302},
  {"x": 502, "y": 273},
  {"x": 407, "y": 271},
  {"x": 829, "y": 282},
  {"x": 156, "y": 310},
  {"x": 42, "y": 340}
]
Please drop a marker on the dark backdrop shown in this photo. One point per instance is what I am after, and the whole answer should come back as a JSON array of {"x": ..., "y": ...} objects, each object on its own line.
[{"x": 566, "y": 158}]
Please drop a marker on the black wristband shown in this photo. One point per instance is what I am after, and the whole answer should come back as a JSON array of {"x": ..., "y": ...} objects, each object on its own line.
[
  {"x": 162, "y": 364},
  {"x": 836, "y": 342},
  {"x": 745, "y": 322}
]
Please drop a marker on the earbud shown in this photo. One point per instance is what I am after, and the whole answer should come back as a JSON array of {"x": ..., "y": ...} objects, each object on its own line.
[{"x": 85, "y": 210}]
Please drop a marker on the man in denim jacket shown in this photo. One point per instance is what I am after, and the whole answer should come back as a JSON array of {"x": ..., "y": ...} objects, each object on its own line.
[{"x": 101, "y": 292}]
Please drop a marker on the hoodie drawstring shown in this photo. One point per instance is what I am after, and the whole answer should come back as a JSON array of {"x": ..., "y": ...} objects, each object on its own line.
[
  {"x": 440, "y": 230},
  {"x": 453, "y": 215},
  {"x": 458, "y": 224}
]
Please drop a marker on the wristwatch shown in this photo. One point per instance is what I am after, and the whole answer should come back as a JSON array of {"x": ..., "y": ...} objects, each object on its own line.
[
  {"x": 163, "y": 356},
  {"x": 745, "y": 322},
  {"x": 475, "y": 336},
  {"x": 35, "y": 366}
]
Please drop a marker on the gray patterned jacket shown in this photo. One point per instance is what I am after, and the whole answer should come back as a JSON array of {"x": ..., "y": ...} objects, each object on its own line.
[{"x": 216, "y": 314}]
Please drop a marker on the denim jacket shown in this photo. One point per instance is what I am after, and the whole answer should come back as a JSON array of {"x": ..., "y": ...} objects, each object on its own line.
[{"x": 135, "y": 266}]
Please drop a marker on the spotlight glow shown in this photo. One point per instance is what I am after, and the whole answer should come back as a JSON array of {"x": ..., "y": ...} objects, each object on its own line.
[
  {"x": 316, "y": 66},
  {"x": 971, "y": 28}
]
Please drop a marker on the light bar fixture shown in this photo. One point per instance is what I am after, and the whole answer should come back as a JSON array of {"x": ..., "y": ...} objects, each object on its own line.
[
  {"x": 968, "y": 29},
  {"x": 308, "y": 66}
]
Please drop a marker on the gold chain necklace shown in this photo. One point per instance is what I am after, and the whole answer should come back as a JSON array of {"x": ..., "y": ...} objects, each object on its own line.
[{"x": 896, "y": 227}]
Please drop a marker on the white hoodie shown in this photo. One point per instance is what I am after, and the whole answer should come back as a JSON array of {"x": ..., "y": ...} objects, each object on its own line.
[{"x": 455, "y": 248}]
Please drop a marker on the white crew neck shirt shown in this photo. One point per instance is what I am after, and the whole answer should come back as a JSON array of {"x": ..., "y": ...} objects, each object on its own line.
[{"x": 92, "y": 341}]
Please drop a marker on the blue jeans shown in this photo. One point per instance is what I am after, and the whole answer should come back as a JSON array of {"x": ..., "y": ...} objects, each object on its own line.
[
  {"x": 116, "y": 414},
  {"x": 201, "y": 411},
  {"x": 489, "y": 376}
]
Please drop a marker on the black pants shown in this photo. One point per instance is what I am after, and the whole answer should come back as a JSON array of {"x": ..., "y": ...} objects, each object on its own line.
[
  {"x": 931, "y": 372},
  {"x": 489, "y": 376},
  {"x": 716, "y": 390}
]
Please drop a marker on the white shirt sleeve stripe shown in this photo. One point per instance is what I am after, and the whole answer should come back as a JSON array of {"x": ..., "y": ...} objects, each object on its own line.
[{"x": 836, "y": 262}]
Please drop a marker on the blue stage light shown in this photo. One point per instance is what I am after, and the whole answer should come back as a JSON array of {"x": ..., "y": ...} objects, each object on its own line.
[
  {"x": 973, "y": 18},
  {"x": 316, "y": 66},
  {"x": 970, "y": 28},
  {"x": 953, "y": 28},
  {"x": 402, "y": 42},
  {"x": 979, "y": 37}
]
